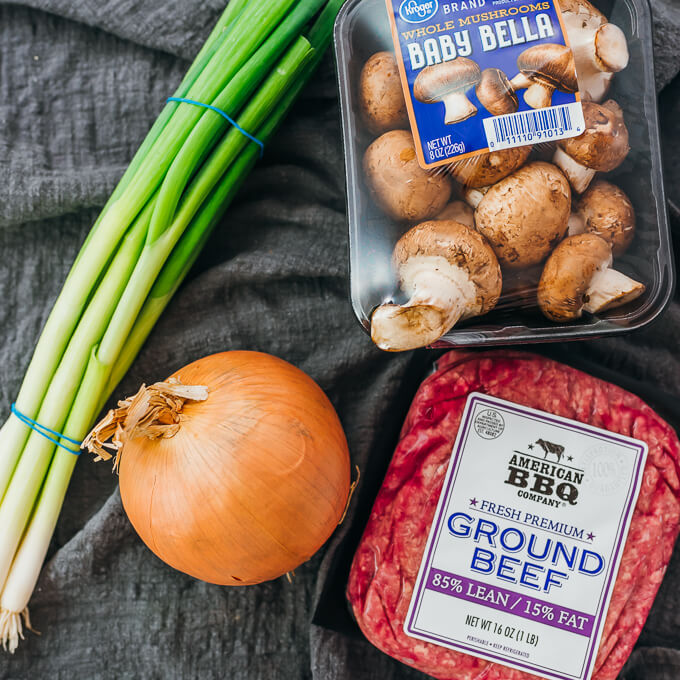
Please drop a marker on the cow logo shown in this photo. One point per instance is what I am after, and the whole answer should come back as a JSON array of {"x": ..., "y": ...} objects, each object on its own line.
[
  {"x": 550, "y": 449},
  {"x": 489, "y": 424},
  {"x": 417, "y": 11}
]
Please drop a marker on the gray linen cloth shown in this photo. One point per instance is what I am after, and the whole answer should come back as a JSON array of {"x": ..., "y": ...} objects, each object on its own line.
[{"x": 81, "y": 81}]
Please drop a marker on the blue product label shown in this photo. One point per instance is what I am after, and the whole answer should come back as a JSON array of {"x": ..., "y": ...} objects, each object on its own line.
[{"x": 484, "y": 75}]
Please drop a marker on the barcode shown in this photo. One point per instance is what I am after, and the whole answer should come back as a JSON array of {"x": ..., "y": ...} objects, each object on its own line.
[{"x": 531, "y": 127}]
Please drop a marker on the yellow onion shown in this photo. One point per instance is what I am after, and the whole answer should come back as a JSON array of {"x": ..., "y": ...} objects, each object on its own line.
[{"x": 238, "y": 485}]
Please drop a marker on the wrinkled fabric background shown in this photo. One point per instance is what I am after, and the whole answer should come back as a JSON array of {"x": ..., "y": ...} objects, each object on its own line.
[{"x": 81, "y": 81}]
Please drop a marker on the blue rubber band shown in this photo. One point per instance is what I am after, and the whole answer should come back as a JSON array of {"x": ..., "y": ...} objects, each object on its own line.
[
  {"x": 182, "y": 100},
  {"x": 46, "y": 432}
]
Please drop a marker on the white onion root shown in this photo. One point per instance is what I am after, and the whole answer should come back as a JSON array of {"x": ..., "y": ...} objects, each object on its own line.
[{"x": 12, "y": 628}]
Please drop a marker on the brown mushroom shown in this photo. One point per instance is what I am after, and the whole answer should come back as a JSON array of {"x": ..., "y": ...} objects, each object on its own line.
[
  {"x": 449, "y": 273},
  {"x": 525, "y": 215},
  {"x": 447, "y": 82},
  {"x": 458, "y": 211},
  {"x": 495, "y": 93},
  {"x": 600, "y": 48},
  {"x": 381, "y": 96},
  {"x": 578, "y": 277},
  {"x": 606, "y": 211},
  {"x": 601, "y": 147},
  {"x": 398, "y": 184},
  {"x": 489, "y": 168},
  {"x": 543, "y": 69}
]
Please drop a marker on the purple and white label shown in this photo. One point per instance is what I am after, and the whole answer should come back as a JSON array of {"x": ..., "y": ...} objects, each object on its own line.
[{"x": 527, "y": 539}]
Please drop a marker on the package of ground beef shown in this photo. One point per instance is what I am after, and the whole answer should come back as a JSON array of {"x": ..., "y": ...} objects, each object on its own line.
[{"x": 524, "y": 524}]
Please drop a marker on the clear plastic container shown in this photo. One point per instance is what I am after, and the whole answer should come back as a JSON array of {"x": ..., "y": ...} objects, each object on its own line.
[{"x": 362, "y": 28}]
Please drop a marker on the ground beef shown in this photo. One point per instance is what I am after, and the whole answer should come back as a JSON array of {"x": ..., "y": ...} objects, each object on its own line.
[{"x": 386, "y": 564}]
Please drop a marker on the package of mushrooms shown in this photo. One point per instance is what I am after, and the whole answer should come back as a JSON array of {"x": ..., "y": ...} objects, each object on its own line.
[{"x": 504, "y": 179}]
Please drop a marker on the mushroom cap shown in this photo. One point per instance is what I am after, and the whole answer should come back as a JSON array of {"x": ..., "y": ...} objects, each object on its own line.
[
  {"x": 434, "y": 82},
  {"x": 607, "y": 212},
  {"x": 462, "y": 247},
  {"x": 397, "y": 182},
  {"x": 525, "y": 215},
  {"x": 567, "y": 275},
  {"x": 489, "y": 168},
  {"x": 550, "y": 64},
  {"x": 381, "y": 96},
  {"x": 495, "y": 93},
  {"x": 603, "y": 146}
]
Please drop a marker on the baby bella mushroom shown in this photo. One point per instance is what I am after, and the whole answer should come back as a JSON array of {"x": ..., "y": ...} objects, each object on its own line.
[
  {"x": 578, "y": 277},
  {"x": 398, "y": 184},
  {"x": 449, "y": 273},
  {"x": 488, "y": 168},
  {"x": 601, "y": 147},
  {"x": 606, "y": 211},
  {"x": 600, "y": 48},
  {"x": 447, "y": 82},
  {"x": 381, "y": 96},
  {"x": 525, "y": 215},
  {"x": 544, "y": 69},
  {"x": 495, "y": 93},
  {"x": 458, "y": 211}
]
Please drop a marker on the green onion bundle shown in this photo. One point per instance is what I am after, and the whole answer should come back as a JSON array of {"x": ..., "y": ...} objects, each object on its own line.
[{"x": 176, "y": 189}]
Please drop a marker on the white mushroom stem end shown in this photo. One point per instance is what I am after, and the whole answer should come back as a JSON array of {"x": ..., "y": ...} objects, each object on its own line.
[
  {"x": 609, "y": 289},
  {"x": 579, "y": 176}
]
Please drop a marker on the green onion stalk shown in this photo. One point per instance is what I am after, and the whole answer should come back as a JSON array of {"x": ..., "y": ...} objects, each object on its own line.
[{"x": 175, "y": 191}]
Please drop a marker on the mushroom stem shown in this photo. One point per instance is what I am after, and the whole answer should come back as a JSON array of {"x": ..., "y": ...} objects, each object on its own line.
[
  {"x": 473, "y": 197},
  {"x": 579, "y": 176},
  {"x": 457, "y": 108},
  {"x": 441, "y": 294},
  {"x": 576, "y": 224},
  {"x": 609, "y": 289},
  {"x": 539, "y": 95},
  {"x": 520, "y": 82}
]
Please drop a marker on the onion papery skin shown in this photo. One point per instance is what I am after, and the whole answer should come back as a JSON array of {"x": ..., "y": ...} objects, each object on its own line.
[{"x": 254, "y": 482}]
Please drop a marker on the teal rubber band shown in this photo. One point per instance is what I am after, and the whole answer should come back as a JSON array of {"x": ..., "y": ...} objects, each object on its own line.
[
  {"x": 183, "y": 100},
  {"x": 46, "y": 432}
]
